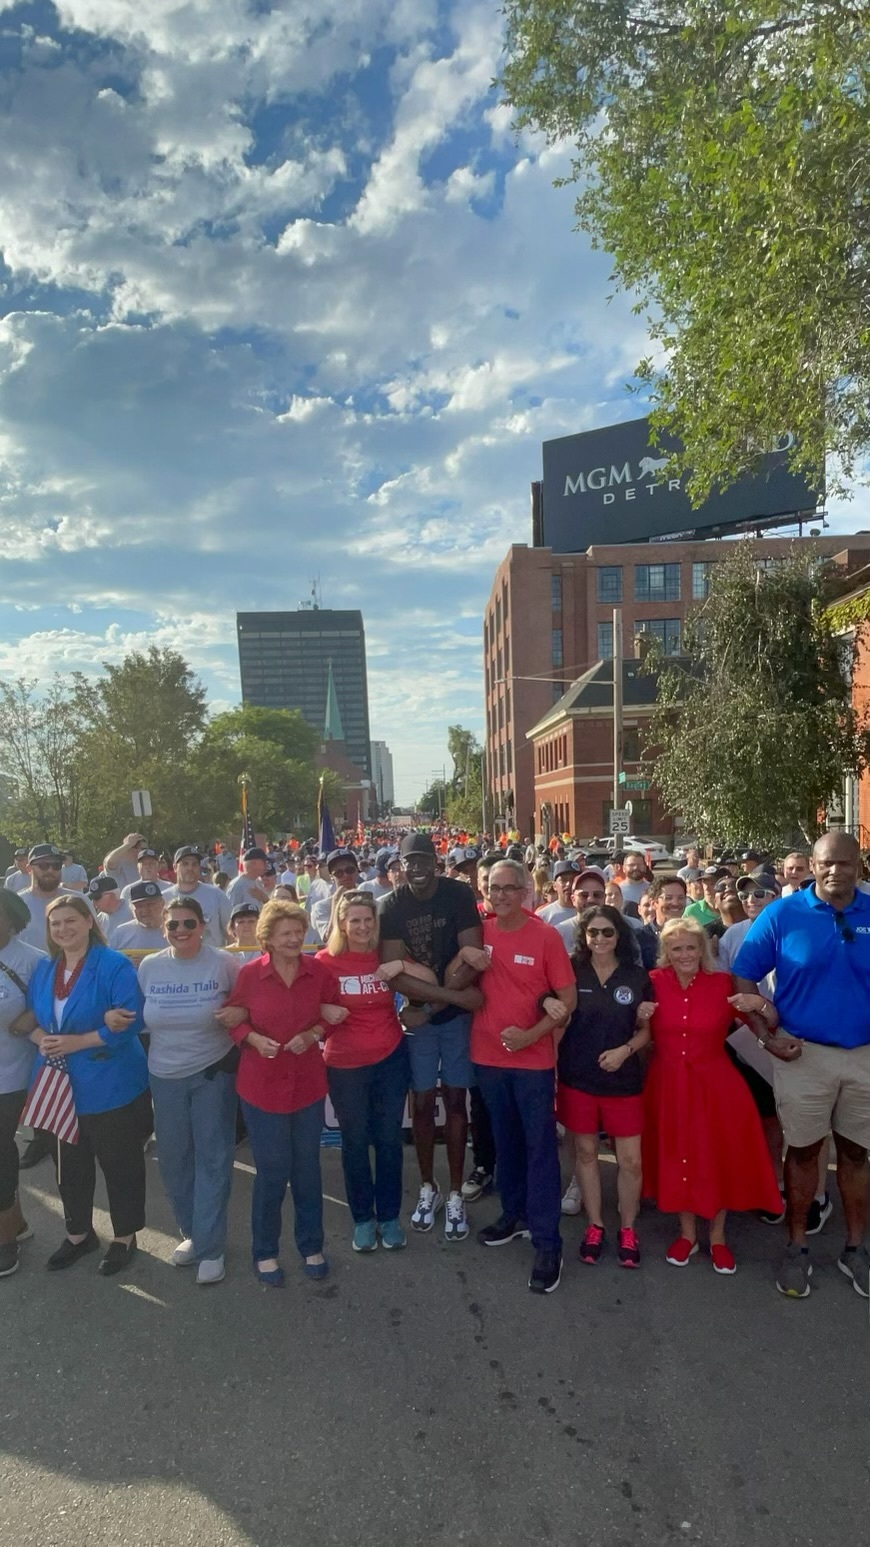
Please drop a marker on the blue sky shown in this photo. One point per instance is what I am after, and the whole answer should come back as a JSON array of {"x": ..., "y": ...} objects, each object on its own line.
[{"x": 281, "y": 297}]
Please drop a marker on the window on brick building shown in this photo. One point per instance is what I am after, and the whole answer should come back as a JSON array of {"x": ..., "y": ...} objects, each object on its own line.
[
  {"x": 556, "y": 592},
  {"x": 556, "y": 647},
  {"x": 657, "y": 582},
  {"x": 605, "y": 641},
  {"x": 701, "y": 581},
  {"x": 666, "y": 630},
  {"x": 610, "y": 583}
]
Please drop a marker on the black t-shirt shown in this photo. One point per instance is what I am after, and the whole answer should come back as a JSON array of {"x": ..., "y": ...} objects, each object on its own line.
[
  {"x": 429, "y": 931},
  {"x": 605, "y": 1017}
]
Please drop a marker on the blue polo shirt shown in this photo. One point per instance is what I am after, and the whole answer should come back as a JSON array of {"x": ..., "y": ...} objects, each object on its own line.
[{"x": 821, "y": 957}]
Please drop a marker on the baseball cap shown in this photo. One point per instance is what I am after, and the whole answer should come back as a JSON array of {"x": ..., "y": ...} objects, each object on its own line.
[
  {"x": 759, "y": 880},
  {"x": 44, "y": 851},
  {"x": 20, "y": 854},
  {"x": 467, "y": 856},
  {"x": 591, "y": 870},
  {"x": 416, "y": 843},
  {"x": 255, "y": 853},
  {"x": 752, "y": 854},
  {"x": 101, "y": 885},
  {"x": 188, "y": 851},
  {"x": 140, "y": 891},
  {"x": 338, "y": 855},
  {"x": 245, "y": 910},
  {"x": 713, "y": 873},
  {"x": 564, "y": 867},
  {"x": 147, "y": 854}
]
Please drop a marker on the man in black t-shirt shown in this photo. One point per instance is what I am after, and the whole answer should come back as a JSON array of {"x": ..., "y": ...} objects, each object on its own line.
[{"x": 428, "y": 920}]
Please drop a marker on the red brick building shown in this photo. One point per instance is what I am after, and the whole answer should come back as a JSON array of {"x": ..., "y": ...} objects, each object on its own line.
[{"x": 549, "y": 621}]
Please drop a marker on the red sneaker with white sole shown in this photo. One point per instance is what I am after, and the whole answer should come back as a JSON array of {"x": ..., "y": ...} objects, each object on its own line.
[
  {"x": 680, "y": 1250},
  {"x": 628, "y": 1249},
  {"x": 723, "y": 1259}
]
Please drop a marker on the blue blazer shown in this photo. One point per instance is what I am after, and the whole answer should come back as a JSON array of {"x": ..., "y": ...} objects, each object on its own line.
[{"x": 106, "y": 1077}]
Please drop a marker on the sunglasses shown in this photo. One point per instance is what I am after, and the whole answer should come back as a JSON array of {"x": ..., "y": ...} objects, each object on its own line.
[
  {"x": 607, "y": 933},
  {"x": 174, "y": 925},
  {"x": 47, "y": 864},
  {"x": 597, "y": 896},
  {"x": 758, "y": 896},
  {"x": 344, "y": 870}
]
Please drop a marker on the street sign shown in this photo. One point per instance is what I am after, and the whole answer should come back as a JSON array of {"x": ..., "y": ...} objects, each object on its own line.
[
  {"x": 141, "y": 802},
  {"x": 628, "y": 807},
  {"x": 620, "y": 821},
  {"x": 640, "y": 785}
]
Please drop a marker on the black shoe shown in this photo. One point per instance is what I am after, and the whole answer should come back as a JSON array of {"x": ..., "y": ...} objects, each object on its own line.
[
  {"x": 70, "y": 1251},
  {"x": 546, "y": 1273},
  {"x": 117, "y": 1258},
  {"x": 502, "y": 1231},
  {"x": 36, "y": 1149},
  {"x": 773, "y": 1219},
  {"x": 818, "y": 1214}
]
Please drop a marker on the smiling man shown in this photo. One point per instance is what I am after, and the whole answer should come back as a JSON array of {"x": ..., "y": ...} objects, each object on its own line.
[{"x": 818, "y": 943}]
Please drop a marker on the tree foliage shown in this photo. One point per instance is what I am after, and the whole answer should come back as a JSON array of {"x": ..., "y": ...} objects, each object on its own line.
[
  {"x": 755, "y": 729},
  {"x": 724, "y": 159}
]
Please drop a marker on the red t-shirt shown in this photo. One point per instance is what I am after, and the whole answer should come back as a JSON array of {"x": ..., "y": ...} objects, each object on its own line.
[
  {"x": 524, "y": 964},
  {"x": 372, "y": 1031},
  {"x": 292, "y": 1080}
]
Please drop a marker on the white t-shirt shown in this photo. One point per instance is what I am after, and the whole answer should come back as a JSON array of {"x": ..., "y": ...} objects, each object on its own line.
[
  {"x": 16, "y": 1053},
  {"x": 556, "y": 913},
  {"x": 180, "y": 1000}
]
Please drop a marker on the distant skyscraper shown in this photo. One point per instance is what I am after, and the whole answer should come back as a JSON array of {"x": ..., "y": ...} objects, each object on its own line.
[
  {"x": 382, "y": 775},
  {"x": 284, "y": 660}
]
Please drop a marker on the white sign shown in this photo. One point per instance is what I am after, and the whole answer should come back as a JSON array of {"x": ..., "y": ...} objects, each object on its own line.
[
  {"x": 141, "y": 802},
  {"x": 620, "y": 821}
]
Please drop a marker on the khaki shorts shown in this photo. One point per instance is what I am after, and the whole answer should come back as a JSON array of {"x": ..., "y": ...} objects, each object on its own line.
[{"x": 826, "y": 1088}]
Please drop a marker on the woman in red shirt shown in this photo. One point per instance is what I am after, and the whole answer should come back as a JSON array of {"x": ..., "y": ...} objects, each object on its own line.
[
  {"x": 704, "y": 1150},
  {"x": 368, "y": 1074},
  {"x": 282, "y": 1085}
]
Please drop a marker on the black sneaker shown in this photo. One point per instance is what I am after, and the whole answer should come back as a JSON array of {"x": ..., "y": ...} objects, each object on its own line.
[
  {"x": 479, "y": 1182},
  {"x": 502, "y": 1231},
  {"x": 773, "y": 1219},
  {"x": 70, "y": 1251},
  {"x": 546, "y": 1273},
  {"x": 818, "y": 1214}
]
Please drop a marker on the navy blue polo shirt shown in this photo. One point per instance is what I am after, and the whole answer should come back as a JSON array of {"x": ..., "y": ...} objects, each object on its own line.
[{"x": 821, "y": 957}]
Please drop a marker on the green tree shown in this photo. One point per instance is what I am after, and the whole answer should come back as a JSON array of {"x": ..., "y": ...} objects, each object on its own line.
[
  {"x": 724, "y": 162},
  {"x": 755, "y": 730},
  {"x": 40, "y": 737},
  {"x": 284, "y": 728},
  {"x": 275, "y": 748}
]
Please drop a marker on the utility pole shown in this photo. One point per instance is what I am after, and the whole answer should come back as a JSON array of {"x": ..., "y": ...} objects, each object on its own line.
[{"x": 617, "y": 706}]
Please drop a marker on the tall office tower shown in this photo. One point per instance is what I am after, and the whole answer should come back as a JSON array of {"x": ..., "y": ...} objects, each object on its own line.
[
  {"x": 382, "y": 775},
  {"x": 284, "y": 661}
]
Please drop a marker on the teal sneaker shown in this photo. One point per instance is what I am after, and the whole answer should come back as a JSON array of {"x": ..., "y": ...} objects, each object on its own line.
[
  {"x": 365, "y": 1237},
  {"x": 392, "y": 1235}
]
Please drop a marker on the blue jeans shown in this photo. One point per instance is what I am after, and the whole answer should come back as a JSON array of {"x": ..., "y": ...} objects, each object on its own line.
[
  {"x": 369, "y": 1103},
  {"x": 286, "y": 1148},
  {"x": 195, "y": 1124},
  {"x": 521, "y": 1105}
]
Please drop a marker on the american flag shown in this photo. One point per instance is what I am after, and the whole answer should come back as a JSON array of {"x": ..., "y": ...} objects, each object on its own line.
[
  {"x": 248, "y": 839},
  {"x": 50, "y": 1104}
]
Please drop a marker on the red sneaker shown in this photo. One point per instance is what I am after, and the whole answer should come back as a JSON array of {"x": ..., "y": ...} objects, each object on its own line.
[
  {"x": 679, "y": 1252},
  {"x": 628, "y": 1249},
  {"x": 723, "y": 1259},
  {"x": 590, "y": 1246}
]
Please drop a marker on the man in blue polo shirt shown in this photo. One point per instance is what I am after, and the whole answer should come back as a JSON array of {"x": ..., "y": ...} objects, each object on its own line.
[{"x": 818, "y": 943}]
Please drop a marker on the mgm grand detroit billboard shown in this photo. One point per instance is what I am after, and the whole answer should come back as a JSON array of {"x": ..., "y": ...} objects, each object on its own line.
[{"x": 608, "y": 486}]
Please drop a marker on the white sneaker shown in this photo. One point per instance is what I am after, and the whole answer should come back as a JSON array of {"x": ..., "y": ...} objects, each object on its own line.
[
  {"x": 211, "y": 1270},
  {"x": 572, "y": 1202},
  {"x": 455, "y": 1222},
  {"x": 184, "y": 1255},
  {"x": 428, "y": 1204}
]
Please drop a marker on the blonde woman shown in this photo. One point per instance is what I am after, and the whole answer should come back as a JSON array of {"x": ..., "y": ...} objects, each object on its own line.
[
  {"x": 282, "y": 1085},
  {"x": 368, "y": 1074},
  {"x": 704, "y": 1150}
]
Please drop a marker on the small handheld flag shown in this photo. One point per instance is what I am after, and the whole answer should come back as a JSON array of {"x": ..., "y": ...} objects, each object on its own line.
[
  {"x": 324, "y": 822},
  {"x": 248, "y": 839},
  {"x": 50, "y": 1104}
]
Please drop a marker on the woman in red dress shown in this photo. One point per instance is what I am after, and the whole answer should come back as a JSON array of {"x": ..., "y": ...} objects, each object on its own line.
[{"x": 703, "y": 1147}]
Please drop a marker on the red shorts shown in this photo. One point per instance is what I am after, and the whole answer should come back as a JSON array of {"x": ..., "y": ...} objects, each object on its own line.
[{"x": 620, "y": 1116}]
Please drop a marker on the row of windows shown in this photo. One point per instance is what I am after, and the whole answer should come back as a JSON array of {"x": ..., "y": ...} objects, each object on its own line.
[
  {"x": 492, "y": 624},
  {"x": 667, "y": 631},
  {"x": 552, "y": 754},
  {"x": 504, "y": 764},
  {"x": 652, "y": 582}
]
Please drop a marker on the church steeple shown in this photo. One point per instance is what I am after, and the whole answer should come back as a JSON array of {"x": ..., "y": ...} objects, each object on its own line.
[{"x": 333, "y": 730}]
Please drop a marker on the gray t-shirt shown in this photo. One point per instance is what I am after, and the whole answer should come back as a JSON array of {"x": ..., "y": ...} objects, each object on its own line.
[
  {"x": 246, "y": 889},
  {"x": 17, "y": 881},
  {"x": 180, "y": 1000},
  {"x": 36, "y": 904},
  {"x": 215, "y": 905},
  {"x": 557, "y": 913},
  {"x": 16, "y": 1053},
  {"x": 110, "y": 923},
  {"x": 135, "y": 937}
]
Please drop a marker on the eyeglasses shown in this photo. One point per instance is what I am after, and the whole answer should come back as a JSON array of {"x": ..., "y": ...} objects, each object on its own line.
[
  {"x": 843, "y": 929},
  {"x": 606, "y": 933},
  {"x": 174, "y": 925},
  {"x": 590, "y": 896},
  {"x": 344, "y": 870},
  {"x": 495, "y": 890}
]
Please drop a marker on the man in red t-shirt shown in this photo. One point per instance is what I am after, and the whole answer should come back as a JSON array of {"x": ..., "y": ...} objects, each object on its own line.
[{"x": 513, "y": 1049}]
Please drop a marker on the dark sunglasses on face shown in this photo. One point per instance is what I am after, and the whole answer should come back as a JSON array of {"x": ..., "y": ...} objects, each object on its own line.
[
  {"x": 47, "y": 864},
  {"x": 173, "y": 925},
  {"x": 606, "y": 933},
  {"x": 344, "y": 870}
]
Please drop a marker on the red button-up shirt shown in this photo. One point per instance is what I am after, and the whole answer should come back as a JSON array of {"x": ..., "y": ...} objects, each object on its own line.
[{"x": 291, "y": 1080}]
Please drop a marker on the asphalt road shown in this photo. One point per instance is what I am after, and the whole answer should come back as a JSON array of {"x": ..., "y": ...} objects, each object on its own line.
[{"x": 427, "y": 1397}]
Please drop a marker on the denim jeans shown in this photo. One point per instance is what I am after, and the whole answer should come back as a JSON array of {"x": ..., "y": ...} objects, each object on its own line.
[
  {"x": 521, "y": 1104},
  {"x": 368, "y": 1104},
  {"x": 286, "y": 1148},
  {"x": 195, "y": 1124}
]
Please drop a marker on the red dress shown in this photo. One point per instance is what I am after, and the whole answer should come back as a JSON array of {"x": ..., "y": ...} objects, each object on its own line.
[{"x": 703, "y": 1145}]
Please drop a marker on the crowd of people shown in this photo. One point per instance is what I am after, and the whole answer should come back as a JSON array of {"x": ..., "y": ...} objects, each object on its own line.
[{"x": 710, "y": 1025}]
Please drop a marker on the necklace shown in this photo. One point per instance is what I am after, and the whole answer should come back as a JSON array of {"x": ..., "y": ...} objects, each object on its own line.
[{"x": 64, "y": 986}]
